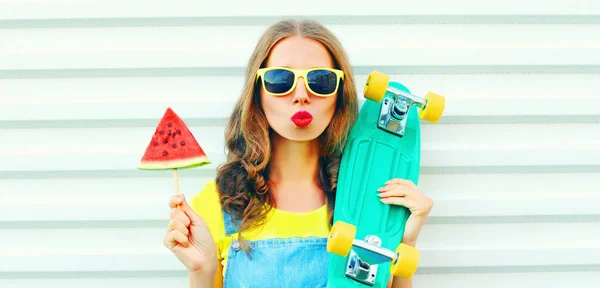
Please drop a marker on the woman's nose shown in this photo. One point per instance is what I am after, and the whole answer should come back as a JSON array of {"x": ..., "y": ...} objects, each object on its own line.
[{"x": 300, "y": 93}]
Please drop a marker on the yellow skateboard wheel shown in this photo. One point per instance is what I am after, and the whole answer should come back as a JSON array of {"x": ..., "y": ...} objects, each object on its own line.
[
  {"x": 341, "y": 238},
  {"x": 405, "y": 265},
  {"x": 434, "y": 108},
  {"x": 376, "y": 86}
]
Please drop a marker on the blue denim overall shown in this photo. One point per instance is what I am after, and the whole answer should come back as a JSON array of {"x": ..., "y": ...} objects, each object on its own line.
[{"x": 286, "y": 262}]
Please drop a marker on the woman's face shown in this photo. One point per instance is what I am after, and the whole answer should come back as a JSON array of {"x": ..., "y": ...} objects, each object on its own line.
[{"x": 287, "y": 114}]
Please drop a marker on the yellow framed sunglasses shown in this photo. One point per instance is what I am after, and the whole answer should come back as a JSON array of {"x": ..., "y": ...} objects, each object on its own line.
[{"x": 320, "y": 81}]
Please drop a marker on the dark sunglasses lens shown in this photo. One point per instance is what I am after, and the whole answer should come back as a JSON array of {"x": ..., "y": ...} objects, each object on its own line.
[
  {"x": 322, "y": 81},
  {"x": 279, "y": 80}
]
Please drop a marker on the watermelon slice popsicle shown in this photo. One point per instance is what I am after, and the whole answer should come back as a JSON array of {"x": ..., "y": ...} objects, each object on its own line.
[{"x": 173, "y": 147}]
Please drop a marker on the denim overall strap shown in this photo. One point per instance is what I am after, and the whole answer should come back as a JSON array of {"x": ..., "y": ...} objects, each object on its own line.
[{"x": 229, "y": 227}]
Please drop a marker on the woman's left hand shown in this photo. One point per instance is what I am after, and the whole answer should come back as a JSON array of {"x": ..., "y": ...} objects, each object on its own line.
[{"x": 405, "y": 193}]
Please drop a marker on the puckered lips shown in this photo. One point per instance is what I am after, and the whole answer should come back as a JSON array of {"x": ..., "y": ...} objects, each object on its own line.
[{"x": 302, "y": 118}]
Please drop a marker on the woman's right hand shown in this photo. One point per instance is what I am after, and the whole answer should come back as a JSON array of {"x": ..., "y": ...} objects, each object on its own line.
[{"x": 189, "y": 239}]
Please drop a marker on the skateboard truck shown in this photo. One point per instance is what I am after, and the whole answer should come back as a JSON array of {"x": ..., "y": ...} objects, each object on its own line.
[
  {"x": 364, "y": 269},
  {"x": 394, "y": 110},
  {"x": 364, "y": 256},
  {"x": 393, "y": 114}
]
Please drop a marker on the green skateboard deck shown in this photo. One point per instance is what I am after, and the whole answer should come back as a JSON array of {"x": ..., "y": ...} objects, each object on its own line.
[{"x": 371, "y": 157}]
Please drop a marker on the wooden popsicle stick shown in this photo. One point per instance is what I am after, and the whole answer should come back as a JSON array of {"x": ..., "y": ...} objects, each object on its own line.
[{"x": 176, "y": 182}]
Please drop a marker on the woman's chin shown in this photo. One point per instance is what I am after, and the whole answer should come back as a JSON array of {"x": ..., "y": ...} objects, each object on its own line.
[{"x": 300, "y": 134}]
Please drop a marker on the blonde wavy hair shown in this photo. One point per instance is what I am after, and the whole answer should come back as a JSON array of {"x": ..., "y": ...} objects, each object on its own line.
[{"x": 242, "y": 181}]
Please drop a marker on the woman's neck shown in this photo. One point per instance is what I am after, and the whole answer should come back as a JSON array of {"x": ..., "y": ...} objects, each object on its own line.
[{"x": 294, "y": 170}]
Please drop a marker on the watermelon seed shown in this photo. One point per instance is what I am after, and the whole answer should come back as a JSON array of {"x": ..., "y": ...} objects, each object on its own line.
[
  {"x": 179, "y": 132},
  {"x": 165, "y": 153},
  {"x": 162, "y": 132},
  {"x": 170, "y": 125},
  {"x": 174, "y": 145},
  {"x": 166, "y": 141},
  {"x": 182, "y": 143},
  {"x": 155, "y": 143},
  {"x": 169, "y": 132}
]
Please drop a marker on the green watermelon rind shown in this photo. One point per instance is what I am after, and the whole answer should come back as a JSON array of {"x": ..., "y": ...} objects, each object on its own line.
[{"x": 176, "y": 163}]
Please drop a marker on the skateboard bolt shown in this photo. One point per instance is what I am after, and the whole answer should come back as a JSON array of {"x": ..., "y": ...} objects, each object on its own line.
[{"x": 373, "y": 240}]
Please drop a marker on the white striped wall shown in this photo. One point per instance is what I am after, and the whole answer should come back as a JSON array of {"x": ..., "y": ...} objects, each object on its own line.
[{"x": 514, "y": 165}]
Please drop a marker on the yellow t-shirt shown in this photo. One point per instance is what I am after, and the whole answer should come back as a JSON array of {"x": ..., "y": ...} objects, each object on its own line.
[{"x": 278, "y": 224}]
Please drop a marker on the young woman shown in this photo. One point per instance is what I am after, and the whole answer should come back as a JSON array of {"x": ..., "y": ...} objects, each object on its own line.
[{"x": 285, "y": 140}]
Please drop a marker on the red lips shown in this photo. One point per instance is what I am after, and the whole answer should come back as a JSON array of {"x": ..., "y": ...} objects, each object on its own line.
[{"x": 302, "y": 118}]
